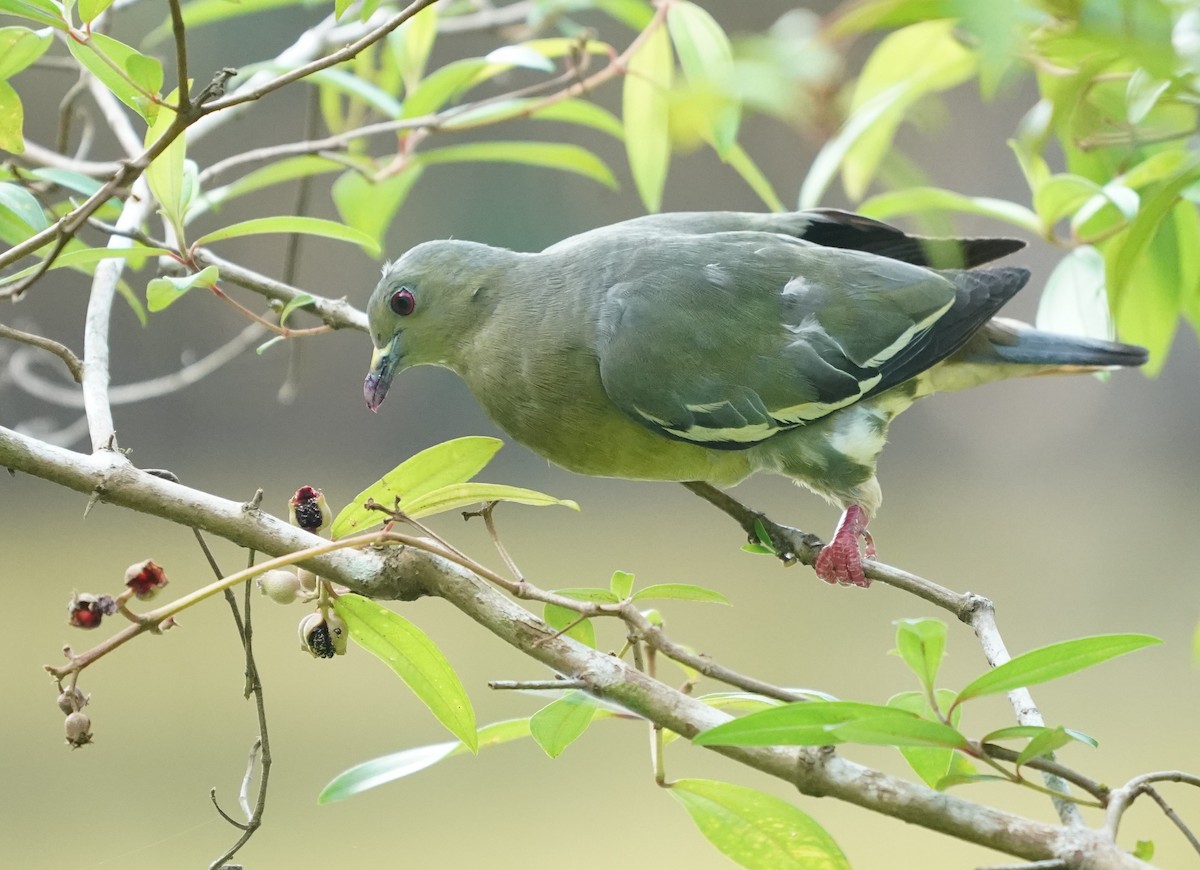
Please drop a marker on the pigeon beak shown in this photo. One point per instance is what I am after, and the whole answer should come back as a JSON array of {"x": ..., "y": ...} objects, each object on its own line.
[{"x": 384, "y": 365}]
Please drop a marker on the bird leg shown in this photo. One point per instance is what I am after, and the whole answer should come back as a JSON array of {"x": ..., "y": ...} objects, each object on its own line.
[{"x": 840, "y": 561}]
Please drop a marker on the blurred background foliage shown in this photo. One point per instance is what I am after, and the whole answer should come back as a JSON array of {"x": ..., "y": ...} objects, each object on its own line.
[{"x": 1071, "y": 125}]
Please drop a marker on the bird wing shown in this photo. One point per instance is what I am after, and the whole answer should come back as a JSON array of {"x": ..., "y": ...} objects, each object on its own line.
[
  {"x": 827, "y": 227},
  {"x": 727, "y": 341}
]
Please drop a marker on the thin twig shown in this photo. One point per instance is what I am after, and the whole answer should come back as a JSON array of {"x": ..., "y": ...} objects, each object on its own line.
[
  {"x": 179, "y": 32},
  {"x": 536, "y": 685},
  {"x": 1170, "y": 813},
  {"x": 61, "y": 351}
]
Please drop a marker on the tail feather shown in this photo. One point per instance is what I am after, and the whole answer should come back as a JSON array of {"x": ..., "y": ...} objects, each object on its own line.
[{"x": 1009, "y": 341}]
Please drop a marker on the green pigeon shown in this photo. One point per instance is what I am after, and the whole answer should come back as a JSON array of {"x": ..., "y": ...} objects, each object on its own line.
[{"x": 707, "y": 346}]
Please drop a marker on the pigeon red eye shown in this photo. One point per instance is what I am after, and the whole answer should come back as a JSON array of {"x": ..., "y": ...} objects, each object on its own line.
[{"x": 403, "y": 302}]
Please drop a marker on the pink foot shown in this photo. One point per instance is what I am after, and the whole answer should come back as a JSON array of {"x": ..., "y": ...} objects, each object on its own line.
[{"x": 839, "y": 560}]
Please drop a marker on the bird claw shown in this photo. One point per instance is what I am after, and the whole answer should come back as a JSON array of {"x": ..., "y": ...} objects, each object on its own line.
[{"x": 839, "y": 561}]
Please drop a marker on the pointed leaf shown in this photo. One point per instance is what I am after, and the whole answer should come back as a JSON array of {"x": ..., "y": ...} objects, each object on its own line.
[
  {"x": 279, "y": 172},
  {"x": 458, "y": 495},
  {"x": 12, "y": 120},
  {"x": 165, "y": 174},
  {"x": 809, "y": 723},
  {"x": 560, "y": 618},
  {"x": 560, "y": 723},
  {"x": 23, "y": 205},
  {"x": 646, "y": 113},
  {"x": 1044, "y": 744},
  {"x": 900, "y": 731},
  {"x": 454, "y": 461},
  {"x": 757, "y": 830},
  {"x": 706, "y": 56},
  {"x": 45, "y": 12},
  {"x": 411, "y": 44},
  {"x": 385, "y": 769},
  {"x": 931, "y": 763},
  {"x": 140, "y": 75},
  {"x": 369, "y": 206},
  {"x": 522, "y": 56},
  {"x": 19, "y": 47},
  {"x": 293, "y": 224},
  {"x": 165, "y": 291},
  {"x": 416, "y": 660},
  {"x": 679, "y": 592},
  {"x": 548, "y": 155},
  {"x": 1054, "y": 661},
  {"x": 922, "y": 644}
]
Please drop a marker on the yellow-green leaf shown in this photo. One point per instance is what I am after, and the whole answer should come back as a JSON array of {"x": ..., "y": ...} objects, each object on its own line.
[
  {"x": 560, "y": 723},
  {"x": 416, "y": 660},
  {"x": 462, "y": 494},
  {"x": 645, "y": 110},
  {"x": 294, "y": 224},
  {"x": 12, "y": 120},
  {"x": 19, "y": 47}
]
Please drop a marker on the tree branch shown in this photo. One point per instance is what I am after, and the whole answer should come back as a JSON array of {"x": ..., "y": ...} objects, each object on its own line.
[{"x": 406, "y": 573}]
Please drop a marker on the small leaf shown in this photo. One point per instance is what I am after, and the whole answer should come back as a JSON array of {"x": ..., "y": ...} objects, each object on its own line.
[
  {"x": 411, "y": 44},
  {"x": 646, "y": 113},
  {"x": 82, "y": 258},
  {"x": 559, "y": 618},
  {"x": 387, "y": 768},
  {"x": 369, "y": 206},
  {"x": 165, "y": 174},
  {"x": 1044, "y": 744},
  {"x": 560, "y": 723},
  {"x": 416, "y": 660},
  {"x": 458, "y": 495},
  {"x": 757, "y": 830},
  {"x": 966, "y": 779},
  {"x": 20, "y": 47},
  {"x": 1144, "y": 850},
  {"x": 1074, "y": 301},
  {"x": 548, "y": 155},
  {"x": 145, "y": 71},
  {"x": 899, "y": 731},
  {"x": 922, "y": 644},
  {"x": 1054, "y": 661},
  {"x": 293, "y": 224},
  {"x": 296, "y": 302},
  {"x": 522, "y": 56},
  {"x": 12, "y": 120},
  {"x": 621, "y": 585},
  {"x": 931, "y": 763},
  {"x": 679, "y": 592},
  {"x": 1061, "y": 195},
  {"x": 758, "y": 549},
  {"x": 23, "y": 205},
  {"x": 810, "y": 723},
  {"x": 165, "y": 291},
  {"x": 454, "y": 461},
  {"x": 443, "y": 85},
  {"x": 706, "y": 56}
]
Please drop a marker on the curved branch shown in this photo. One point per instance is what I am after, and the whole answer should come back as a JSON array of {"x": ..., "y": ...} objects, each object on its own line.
[
  {"x": 59, "y": 350},
  {"x": 407, "y": 573}
]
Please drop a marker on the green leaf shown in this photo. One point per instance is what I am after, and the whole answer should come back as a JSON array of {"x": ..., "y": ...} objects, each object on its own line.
[
  {"x": 810, "y": 723},
  {"x": 928, "y": 58},
  {"x": 522, "y": 56},
  {"x": 900, "y": 731},
  {"x": 549, "y": 155},
  {"x": 758, "y": 549},
  {"x": 922, "y": 645},
  {"x": 1044, "y": 744},
  {"x": 706, "y": 56},
  {"x": 296, "y": 302},
  {"x": 966, "y": 779},
  {"x": 1142, "y": 93},
  {"x": 140, "y": 75},
  {"x": 369, "y": 206},
  {"x": 44, "y": 12},
  {"x": 416, "y": 660},
  {"x": 81, "y": 258},
  {"x": 584, "y": 114},
  {"x": 1074, "y": 301},
  {"x": 1061, "y": 195},
  {"x": 458, "y": 495},
  {"x": 163, "y": 292},
  {"x": 165, "y": 175},
  {"x": 931, "y": 763},
  {"x": 293, "y": 224},
  {"x": 19, "y": 47},
  {"x": 560, "y": 723},
  {"x": 621, "y": 585},
  {"x": 757, "y": 830},
  {"x": 387, "y": 768},
  {"x": 12, "y": 120},
  {"x": 645, "y": 109},
  {"x": 1054, "y": 661},
  {"x": 744, "y": 166},
  {"x": 278, "y": 172},
  {"x": 23, "y": 205},
  {"x": 89, "y": 10},
  {"x": 454, "y": 461},
  {"x": 1144, "y": 850},
  {"x": 559, "y": 618},
  {"x": 918, "y": 199},
  {"x": 1020, "y": 732},
  {"x": 679, "y": 592},
  {"x": 342, "y": 82},
  {"x": 411, "y": 44},
  {"x": 443, "y": 85}
]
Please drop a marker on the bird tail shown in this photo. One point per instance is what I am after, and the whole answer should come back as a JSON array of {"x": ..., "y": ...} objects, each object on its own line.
[{"x": 1009, "y": 341}]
